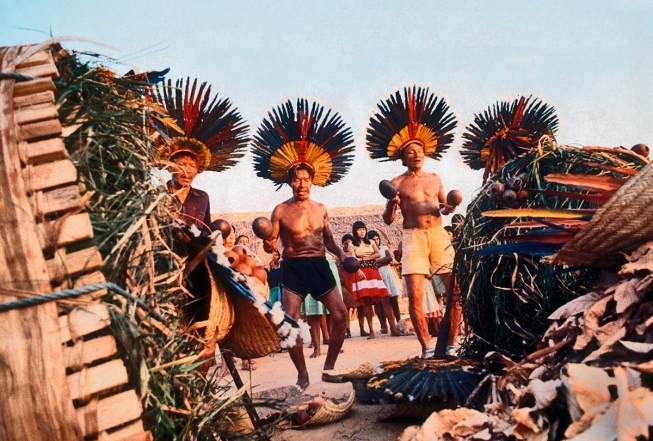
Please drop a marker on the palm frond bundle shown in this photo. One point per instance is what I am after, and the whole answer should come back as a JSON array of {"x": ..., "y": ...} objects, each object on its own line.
[
  {"x": 507, "y": 292},
  {"x": 290, "y": 136},
  {"x": 418, "y": 116}
]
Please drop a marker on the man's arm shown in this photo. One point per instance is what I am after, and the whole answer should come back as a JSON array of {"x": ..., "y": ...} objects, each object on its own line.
[
  {"x": 329, "y": 241},
  {"x": 270, "y": 244},
  {"x": 442, "y": 198}
]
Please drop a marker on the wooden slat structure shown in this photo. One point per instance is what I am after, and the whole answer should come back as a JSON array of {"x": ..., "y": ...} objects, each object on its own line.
[{"x": 60, "y": 374}]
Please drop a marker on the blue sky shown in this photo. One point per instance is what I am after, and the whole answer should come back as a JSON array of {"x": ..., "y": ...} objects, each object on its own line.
[{"x": 593, "y": 60}]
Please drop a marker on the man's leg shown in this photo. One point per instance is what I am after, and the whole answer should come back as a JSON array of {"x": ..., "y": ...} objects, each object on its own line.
[
  {"x": 415, "y": 288},
  {"x": 291, "y": 305},
  {"x": 338, "y": 312},
  {"x": 314, "y": 323},
  {"x": 456, "y": 314}
]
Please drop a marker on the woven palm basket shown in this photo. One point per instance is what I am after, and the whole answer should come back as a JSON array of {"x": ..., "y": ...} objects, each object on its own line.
[
  {"x": 221, "y": 312},
  {"x": 252, "y": 335},
  {"x": 365, "y": 370},
  {"x": 331, "y": 412},
  {"x": 620, "y": 225}
]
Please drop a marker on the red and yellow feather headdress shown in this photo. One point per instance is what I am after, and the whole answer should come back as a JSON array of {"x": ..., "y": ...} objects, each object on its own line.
[
  {"x": 213, "y": 131},
  {"x": 418, "y": 116},
  {"x": 289, "y": 137}
]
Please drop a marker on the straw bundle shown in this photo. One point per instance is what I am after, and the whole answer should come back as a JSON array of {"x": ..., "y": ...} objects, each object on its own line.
[
  {"x": 506, "y": 298},
  {"x": 106, "y": 135}
]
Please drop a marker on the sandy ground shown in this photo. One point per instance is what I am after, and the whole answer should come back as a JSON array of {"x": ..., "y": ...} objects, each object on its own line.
[{"x": 277, "y": 370}]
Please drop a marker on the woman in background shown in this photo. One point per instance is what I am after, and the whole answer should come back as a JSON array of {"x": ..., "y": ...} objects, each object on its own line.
[
  {"x": 368, "y": 285},
  {"x": 347, "y": 281},
  {"x": 388, "y": 274},
  {"x": 274, "y": 277}
]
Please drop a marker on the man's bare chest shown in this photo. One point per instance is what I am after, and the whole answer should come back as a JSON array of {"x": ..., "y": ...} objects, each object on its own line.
[
  {"x": 419, "y": 189},
  {"x": 303, "y": 222}
]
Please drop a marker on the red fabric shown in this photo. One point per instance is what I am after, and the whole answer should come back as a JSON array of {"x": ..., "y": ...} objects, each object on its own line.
[{"x": 372, "y": 277}]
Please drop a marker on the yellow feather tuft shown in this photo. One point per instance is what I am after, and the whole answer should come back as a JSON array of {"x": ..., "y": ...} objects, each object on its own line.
[
  {"x": 288, "y": 155},
  {"x": 423, "y": 134}
]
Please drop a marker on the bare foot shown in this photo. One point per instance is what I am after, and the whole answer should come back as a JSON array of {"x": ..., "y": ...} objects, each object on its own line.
[
  {"x": 316, "y": 353},
  {"x": 325, "y": 341},
  {"x": 372, "y": 335},
  {"x": 302, "y": 381}
]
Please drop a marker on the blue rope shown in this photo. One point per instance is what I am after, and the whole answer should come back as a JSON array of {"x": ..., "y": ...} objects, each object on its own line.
[
  {"x": 76, "y": 292},
  {"x": 15, "y": 76}
]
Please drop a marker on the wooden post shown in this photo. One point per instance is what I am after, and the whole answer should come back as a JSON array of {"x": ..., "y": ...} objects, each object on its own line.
[
  {"x": 35, "y": 402},
  {"x": 443, "y": 333},
  {"x": 251, "y": 411}
]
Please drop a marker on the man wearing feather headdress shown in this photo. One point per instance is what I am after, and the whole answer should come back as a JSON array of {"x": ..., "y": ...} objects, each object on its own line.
[
  {"x": 198, "y": 132},
  {"x": 194, "y": 206},
  {"x": 301, "y": 149},
  {"x": 215, "y": 136},
  {"x": 410, "y": 129}
]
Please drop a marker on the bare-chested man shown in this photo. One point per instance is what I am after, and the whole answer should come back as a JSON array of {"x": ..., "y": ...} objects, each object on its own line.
[
  {"x": 303, "y": 226},
  {"x": 426, "y": 244}
]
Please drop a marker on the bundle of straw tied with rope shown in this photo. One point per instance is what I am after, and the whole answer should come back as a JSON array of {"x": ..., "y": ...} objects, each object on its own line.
[{"x": 112, "y": 132}]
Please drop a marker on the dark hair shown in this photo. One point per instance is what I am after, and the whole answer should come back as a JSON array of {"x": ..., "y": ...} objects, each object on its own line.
[
  {"x": 347, "y": 237},
  {"x": 242, "y": 235},
  {"x": 372, "y": 234},
  {"x": 357, "y": 241},
  {"x": 300, "y": 166}
]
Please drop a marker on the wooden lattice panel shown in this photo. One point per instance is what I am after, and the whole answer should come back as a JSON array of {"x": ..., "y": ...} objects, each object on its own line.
[{"x": 45, "y": 201}]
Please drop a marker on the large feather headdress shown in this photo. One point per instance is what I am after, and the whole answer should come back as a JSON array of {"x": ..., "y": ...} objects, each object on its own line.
[
  {"x": 210, "y": 129},
  {"x": 418, "y": 116},
  {"x": 304, "y": 135},
  {"x": 506, "y": 131}
]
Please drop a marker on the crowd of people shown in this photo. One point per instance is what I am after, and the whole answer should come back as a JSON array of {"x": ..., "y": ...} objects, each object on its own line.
[{"x": 296, "y": 147}]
